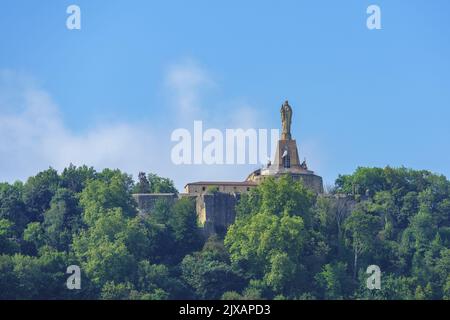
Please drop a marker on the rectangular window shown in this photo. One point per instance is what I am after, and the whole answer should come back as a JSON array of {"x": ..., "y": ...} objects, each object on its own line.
[{"x": 287, "y": 161}]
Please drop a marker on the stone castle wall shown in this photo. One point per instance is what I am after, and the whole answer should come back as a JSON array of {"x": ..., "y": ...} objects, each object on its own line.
[
  {"x": 216, "y": 211},
  {"x": 146, "y": 201},
  {"x": 311, "y": 181}
]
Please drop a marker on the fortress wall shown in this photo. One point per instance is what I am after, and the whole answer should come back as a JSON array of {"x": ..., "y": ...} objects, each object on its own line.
[
  {"x": 146, "y": 201},
  {"x": 216, "y": 211},
  {"x": 311, "y": 181}
]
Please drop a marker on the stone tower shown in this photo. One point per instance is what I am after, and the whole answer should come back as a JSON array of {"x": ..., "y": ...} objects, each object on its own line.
[
  {"x": 287, "y": 159},
  {"x": 286, "y": 154}
]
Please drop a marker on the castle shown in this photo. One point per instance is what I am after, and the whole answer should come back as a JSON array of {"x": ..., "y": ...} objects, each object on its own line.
[{"x": 216, "y": 200}]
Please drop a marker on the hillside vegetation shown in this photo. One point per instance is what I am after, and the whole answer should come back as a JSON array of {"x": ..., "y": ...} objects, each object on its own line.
[{"x": 286, "y": 243}]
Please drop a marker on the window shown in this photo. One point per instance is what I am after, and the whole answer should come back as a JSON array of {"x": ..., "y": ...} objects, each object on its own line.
[{"x": 287, "y": 161}]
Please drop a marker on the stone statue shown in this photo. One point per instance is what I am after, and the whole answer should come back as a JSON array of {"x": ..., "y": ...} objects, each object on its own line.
[
  {"x": 303, "y": 165},
  {"x": 286, "y": 119}
]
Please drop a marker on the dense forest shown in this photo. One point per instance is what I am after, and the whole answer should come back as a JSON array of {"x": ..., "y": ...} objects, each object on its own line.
[{"x": 286, "y": 243}]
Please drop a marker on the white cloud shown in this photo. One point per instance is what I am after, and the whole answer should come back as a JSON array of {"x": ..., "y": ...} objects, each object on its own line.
[
  {"x": 189, "y": 87},
  {"x": 186, "y": 83},
  {"x": 245, "y": 116},
  {"x": 33, "y": 136}
]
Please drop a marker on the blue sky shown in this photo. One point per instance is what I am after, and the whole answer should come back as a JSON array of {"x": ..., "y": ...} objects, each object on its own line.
[{"x": 110, "y": 94}]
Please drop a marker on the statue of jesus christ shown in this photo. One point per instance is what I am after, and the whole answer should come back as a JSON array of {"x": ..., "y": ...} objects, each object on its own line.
[{"x": 286, "y": 120}]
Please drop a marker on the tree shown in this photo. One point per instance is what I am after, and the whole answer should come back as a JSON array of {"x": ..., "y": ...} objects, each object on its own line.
[
  {"x": 286, "y": 243},
  {"x": 162, "y": 211},
  {"x": 394, "y": 287},
  {"x": 286, "y": 196},
  {"x": 282, "y": 272},
  {"x": 25, "y": 277},
  {"x": 143, "y": 185},
  {"x": 208, "y": 277},
  {"x": 249, "y": 203},
  {"x": 119, "y": 291},
  {"x": 334, "y": 281},
  {"x": 7, "y": 243},
  {"x": 38, "y": 192},
  {"x": 361, "y": 229},
  {"x": 62, "y": 219},
  {"x": 183, "y": 226},
  {"x": 332, "y": 212},
  {"x": 268, "y": 246},
  {"x": 75, "y": 178},
  {"x": 105, "y": 260},
  {"x": 365, "y": 181},
  {"x": 12, "y": 206},
  {"x": 34, "y": 234},
  {"x": 161, "y": 185},
  {"x": 102, "y": 249},
  {"x": 446, "y": 289},
  {"x": 111, "y": 190},
  {"x": 157, "y": 281},
  {"x": 268, "y": 240}
]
